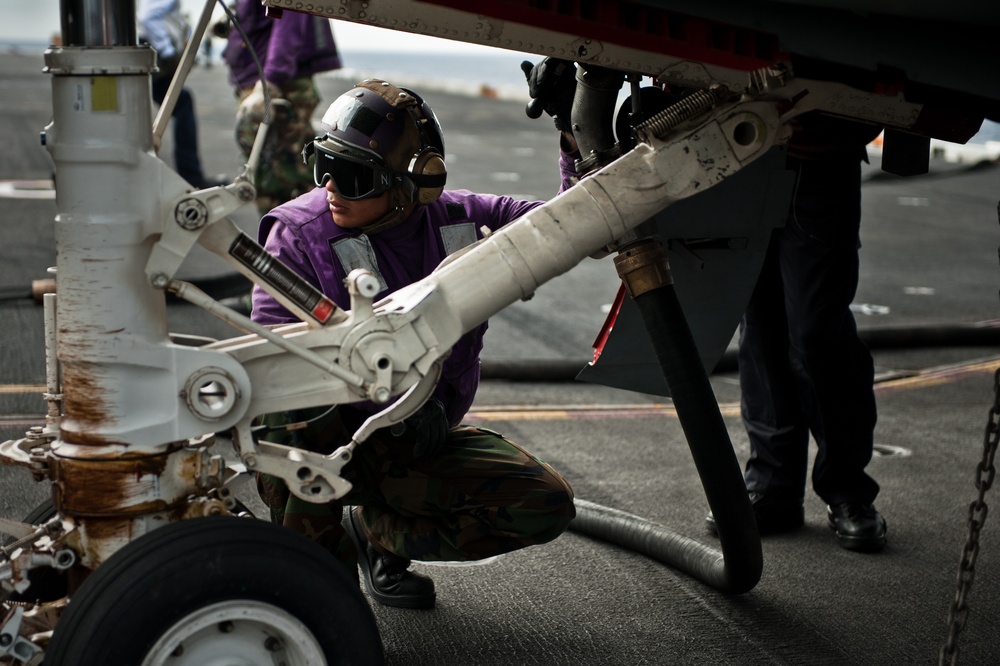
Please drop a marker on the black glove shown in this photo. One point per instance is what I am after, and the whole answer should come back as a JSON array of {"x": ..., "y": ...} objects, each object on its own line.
[
  {"x": 551, "y": 85},
  {"x": 426, "y": 430}
]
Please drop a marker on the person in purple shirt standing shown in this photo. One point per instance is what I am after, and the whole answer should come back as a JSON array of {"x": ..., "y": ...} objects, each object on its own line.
[
  {"x": 291, "y": 50},
  {"x": 428, "y": 489}
]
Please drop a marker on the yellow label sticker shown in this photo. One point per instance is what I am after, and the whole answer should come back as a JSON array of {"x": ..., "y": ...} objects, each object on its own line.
[{"x": 104, "y": 93}]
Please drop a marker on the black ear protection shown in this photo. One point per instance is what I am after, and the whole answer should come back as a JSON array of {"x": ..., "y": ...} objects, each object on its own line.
[{"x": 426, "y": 169}]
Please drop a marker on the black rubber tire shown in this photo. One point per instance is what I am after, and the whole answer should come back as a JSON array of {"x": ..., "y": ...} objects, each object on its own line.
[
  {"x": 41, "y": 513},
  {"x": 157, "y": 580}
]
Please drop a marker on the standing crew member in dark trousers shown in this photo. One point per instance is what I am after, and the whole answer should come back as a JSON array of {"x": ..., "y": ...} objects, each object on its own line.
[{"x": 803, "y": 368}]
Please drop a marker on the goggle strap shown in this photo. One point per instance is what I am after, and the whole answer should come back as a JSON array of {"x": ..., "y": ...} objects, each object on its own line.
[
  {"x": 308, "y": 151},
  {"x": 429, "y": 180}
]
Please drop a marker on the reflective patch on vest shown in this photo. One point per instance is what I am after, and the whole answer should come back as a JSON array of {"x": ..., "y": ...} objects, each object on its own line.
[
  {"x": 358, "y": 253},
  {"x": 456, "y": 211},
  {"x": 457, "y": 236}
]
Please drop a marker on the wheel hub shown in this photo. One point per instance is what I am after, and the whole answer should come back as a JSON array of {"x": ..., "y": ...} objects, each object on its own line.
[{"x": 238, "y": 632}]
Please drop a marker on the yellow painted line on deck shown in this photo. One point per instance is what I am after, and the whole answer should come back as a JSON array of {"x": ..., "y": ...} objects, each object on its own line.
[
  {"x": 933, "y": 377},
  {"x": 27, "y": 189},
  {"x": 567, "y": 412},
  {"x": 938, "y": 376},
  {"x": 21, "y": 388}
]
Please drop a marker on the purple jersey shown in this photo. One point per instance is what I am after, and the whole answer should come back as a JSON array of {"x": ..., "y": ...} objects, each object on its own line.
[
  {"x": 302, "y": 234},
  {"x": 289, "y": 47}
]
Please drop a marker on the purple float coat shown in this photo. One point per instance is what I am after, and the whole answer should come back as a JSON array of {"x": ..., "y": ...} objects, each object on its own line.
[
  {"x": 302, "y": 234},
  {"x": 293, "y": 46}
]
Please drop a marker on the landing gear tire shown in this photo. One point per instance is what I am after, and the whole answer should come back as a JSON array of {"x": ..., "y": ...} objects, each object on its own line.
[{"x": 217, "y": 590}]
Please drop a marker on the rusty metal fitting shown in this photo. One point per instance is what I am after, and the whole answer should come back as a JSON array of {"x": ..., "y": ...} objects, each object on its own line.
[
  {"x": 643, "y": 267},
  {"x": 205, "y": 507},
  {"x": 124, "y": 486}
]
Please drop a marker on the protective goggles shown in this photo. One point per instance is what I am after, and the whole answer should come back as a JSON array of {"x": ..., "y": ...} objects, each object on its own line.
[{"x": 355, "y": 175}]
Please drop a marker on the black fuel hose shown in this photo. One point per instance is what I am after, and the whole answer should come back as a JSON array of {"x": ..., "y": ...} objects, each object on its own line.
[{"x": 738, "y": 567}]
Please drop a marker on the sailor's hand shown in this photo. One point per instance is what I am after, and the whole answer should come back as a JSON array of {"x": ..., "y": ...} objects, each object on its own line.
[
  {"x": 552, "y": 86},
  {"x": 253, "y": 105},
  {"x": 427, "y": 430}
]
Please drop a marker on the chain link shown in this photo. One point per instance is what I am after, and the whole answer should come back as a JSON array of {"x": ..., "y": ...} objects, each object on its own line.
[{"x": 958, "y": 613}]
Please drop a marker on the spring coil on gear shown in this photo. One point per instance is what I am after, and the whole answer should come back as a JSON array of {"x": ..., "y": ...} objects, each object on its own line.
[{"x": 691, "y": 106}]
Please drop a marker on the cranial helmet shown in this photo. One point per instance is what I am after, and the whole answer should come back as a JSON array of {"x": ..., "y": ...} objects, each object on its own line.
[{"x": 381, "y": 138}]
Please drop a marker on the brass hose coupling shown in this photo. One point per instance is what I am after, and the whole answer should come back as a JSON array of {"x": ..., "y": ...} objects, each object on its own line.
[{"x": 643, "y": 267}]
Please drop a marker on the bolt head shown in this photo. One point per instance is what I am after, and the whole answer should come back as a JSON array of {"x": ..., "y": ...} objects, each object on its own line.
[{"x": 191, "y": 214}]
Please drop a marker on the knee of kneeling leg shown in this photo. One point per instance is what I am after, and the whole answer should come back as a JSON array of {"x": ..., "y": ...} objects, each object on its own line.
[{"x": 559, "y": 513}]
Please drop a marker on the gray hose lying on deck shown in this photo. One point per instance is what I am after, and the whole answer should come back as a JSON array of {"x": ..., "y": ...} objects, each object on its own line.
[{"x": 661, "y": 544}]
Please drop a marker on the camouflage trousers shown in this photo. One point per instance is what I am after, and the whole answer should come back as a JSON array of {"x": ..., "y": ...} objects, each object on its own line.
[
  {"x": 483, "y": 495},
  {"x": 281, "y": 175}
]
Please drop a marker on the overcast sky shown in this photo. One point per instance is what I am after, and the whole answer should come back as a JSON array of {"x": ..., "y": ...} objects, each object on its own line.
[{"x": 38, "y": 20}]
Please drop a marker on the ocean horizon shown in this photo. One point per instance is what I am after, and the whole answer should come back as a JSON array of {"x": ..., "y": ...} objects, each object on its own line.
[
  {"x": 496, "y": 75},
  {"x": 492, "y": 72}
]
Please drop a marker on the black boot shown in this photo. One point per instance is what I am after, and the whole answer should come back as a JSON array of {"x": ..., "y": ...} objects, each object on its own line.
[
  {"x": 858, "y": 526},
  {"x": 386, "y": 576}
]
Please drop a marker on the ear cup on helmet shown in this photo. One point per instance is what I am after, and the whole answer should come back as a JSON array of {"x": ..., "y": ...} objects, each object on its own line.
[{"x": 428, "y": 172}]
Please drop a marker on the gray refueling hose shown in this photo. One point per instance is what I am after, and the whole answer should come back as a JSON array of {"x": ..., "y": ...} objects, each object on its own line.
[{"x": 656, "y": 541}]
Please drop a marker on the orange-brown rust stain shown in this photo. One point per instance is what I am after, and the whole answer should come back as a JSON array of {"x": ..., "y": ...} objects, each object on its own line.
[
  {"x": 99, "y": 534},
  {"x": 108, "y": 487},
  {"x": 188, "y": 467},
  {"x": 82, "y": 438},
  {"x": 85, "y": 406},
  {"x": 100, "y": 529}
]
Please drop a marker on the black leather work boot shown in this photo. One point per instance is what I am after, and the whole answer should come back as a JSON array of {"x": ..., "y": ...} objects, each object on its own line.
[
  {"x": 387, "y": 577},
  {"x": 858, "y": 526}
]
